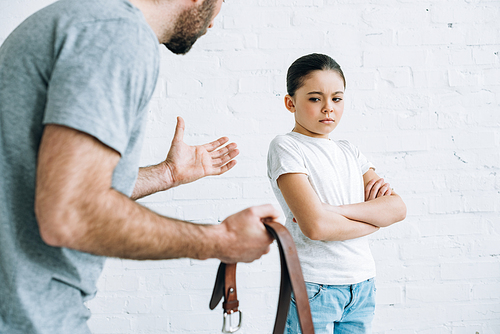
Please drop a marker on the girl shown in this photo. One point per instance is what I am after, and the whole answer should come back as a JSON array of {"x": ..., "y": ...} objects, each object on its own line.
[{"x": 332, "y": 199}]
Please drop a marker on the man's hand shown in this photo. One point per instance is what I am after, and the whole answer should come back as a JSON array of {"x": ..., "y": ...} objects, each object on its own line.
[
  {"x": 189, "y": 163},
  {"x": 245, "y": 237},
  {"x": 376, "y": 188},
  {"x": 185, "y": 164}
]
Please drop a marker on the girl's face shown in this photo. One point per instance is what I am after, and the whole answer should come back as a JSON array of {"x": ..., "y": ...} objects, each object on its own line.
[{"x": 318, "y": 104}]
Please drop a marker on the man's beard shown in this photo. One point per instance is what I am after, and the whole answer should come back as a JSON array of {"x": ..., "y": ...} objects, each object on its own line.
[{"x": 191, "y": 25}]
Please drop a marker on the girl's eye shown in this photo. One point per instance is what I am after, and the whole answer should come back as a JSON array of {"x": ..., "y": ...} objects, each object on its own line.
[
  {"x": 314, "y": 99},
  {"x": 336, "y": 99}
]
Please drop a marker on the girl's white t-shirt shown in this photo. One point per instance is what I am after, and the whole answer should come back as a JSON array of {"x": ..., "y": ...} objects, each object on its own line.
[{"x": 335, "y": 170}]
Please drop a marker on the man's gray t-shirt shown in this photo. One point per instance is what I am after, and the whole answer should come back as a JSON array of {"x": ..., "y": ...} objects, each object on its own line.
[{"x": 91, "y": 65}]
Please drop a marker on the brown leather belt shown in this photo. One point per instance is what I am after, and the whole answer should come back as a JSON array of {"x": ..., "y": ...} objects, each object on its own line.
[{"x": 291, "y": 280}]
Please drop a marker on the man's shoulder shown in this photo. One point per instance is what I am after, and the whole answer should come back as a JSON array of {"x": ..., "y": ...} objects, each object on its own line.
[
  {"x": 74, "y": 21},
  {"x": 65, "y": 17},
  {"x": 88, "y": 10}
]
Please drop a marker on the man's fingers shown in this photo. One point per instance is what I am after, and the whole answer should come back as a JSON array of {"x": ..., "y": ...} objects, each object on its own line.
[
  {"x": 226, "y": 167},
  {"x": 212, "y": 146},
  {"x": 223, "y": 151},
  {"x": 225, "y": 159},
  {"x": 179, "y": 130},
  {"x": 265, "y": 211}
]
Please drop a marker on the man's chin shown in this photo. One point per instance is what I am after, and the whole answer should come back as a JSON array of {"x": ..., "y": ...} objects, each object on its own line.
[
  {"x": 179, "y": 47},
  {"x": 177, "y": 50}
]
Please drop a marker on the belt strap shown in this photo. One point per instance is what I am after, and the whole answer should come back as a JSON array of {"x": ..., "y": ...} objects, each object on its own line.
[{"x": 291, "y": 280}]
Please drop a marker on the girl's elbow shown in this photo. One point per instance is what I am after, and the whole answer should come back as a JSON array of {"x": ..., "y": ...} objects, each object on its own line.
[
  {"x": 314, "y": 235},
  {"x": 399, "y": 210},
  {"x": 402, "y": 212},
  {"x": 399, "y": 213},
  {"x": 311, "y": 229}
]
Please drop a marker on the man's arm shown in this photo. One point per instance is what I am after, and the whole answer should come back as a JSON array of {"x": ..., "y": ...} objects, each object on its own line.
[
  {"x": 315, "y": 221},
  {"x": 185, "y": 164},
  {"x": 382, "y": 206},
  {"x": 77, "y": 208}
]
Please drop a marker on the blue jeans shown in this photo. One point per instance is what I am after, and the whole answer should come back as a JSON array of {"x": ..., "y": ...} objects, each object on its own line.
[{"x": 339, "y": 309}]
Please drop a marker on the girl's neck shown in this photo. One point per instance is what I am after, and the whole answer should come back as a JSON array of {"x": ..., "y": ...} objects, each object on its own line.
[{"x": 303, "y": 131}]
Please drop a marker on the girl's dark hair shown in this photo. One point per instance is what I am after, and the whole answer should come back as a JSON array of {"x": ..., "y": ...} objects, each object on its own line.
[{"x": 302, "y": 68}]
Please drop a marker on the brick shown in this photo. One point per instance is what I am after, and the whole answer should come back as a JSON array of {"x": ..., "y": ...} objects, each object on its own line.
[
  {"x": 389, "y": 295},
  {"x": 399, "y": 57},
  {"x": 139, "y": 305},
  {"x": 289, "y": 40},
  {"x": 423, "y": 273},
  {"x": 362, "y": 80},
  {"x": 489, "y": 291},
  {"x": 485, "y": 55},
  {"x": 207, "y": 189},
  {"x": 432, "y": 250},
  {"x": 109, "y": 324},
  {"x": 492, "y": 76},
  {"x": 452, "y": 225},
  {"x": 464, "y": 328},
  {"x": 445, "y": 205},
  {"x": 482, "y": 201},
  {"x": 122, "y": 283},
  {"x": 438, "y": 293},
  {"x": 151, "y": 323},
  {"x": 482, "y": 311},
  {"x": 454, "y": 271},
  {"x": 471, "y": 13},
  {"x": 257, "y": 190},
  {"x": 397, "y": 77},
  {"x": 459, "y": 78},
  {"x": 430, "y": 78},
  {"x": 254, "y": 84}
]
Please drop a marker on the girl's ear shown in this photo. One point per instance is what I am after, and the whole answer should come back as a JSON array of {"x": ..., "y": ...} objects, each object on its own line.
[{"x": 289, "y": 104}]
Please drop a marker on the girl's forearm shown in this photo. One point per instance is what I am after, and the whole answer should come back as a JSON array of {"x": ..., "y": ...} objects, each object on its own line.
[
  {"x": 347, "y": 229},
  {"x": 330, "y": 226},
  {"x": 382, "y": 211}
]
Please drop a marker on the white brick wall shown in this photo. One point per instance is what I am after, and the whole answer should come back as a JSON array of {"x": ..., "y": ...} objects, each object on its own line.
[{"x": 423, "y": 103}]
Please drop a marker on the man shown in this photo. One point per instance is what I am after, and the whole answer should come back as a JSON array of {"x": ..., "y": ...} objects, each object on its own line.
[{"x": 75, "y": 80}]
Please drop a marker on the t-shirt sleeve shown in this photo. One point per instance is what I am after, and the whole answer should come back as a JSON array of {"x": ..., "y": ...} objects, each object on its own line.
[
  {"x": 103, "y": 76},
  {"x": 363, "y": 162},
  {"x": 284, "y": 156}
]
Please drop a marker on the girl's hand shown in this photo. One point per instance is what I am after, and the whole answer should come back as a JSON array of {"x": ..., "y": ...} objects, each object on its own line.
[{"x": 377, "y": 188}]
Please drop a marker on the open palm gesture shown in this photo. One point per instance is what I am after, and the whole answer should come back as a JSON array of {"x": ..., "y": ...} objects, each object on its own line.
[{"x": 189, "y": 163}]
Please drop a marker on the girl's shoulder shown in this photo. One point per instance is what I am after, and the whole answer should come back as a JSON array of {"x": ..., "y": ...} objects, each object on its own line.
[
  {"x": 285, "y": 139},
  {"x": 347, "y": 146},
  {"x": 343, "y": 143},
  {"x": 285, "y": 144}
]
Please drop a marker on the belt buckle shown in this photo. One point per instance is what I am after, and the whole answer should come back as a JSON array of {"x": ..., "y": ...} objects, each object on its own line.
[{"x": 231, "y": 329}]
